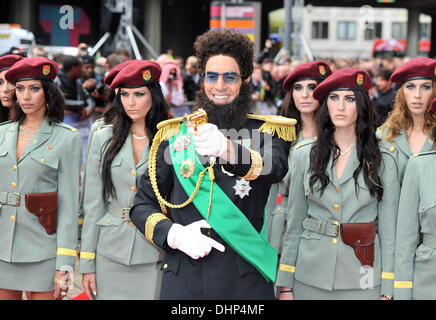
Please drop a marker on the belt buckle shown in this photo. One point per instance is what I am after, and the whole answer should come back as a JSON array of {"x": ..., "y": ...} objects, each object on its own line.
[
  {"x": 13, "y": 199},
  {"x": 336, "y": 228}
]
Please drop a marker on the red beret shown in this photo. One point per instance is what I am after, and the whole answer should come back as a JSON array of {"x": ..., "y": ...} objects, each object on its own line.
[
  {"x": 112, "y": 74},
  {"x": 416, "y": 68},
  {"x": 36, "y": 68},
  {"x": 314, "y": 70},
  {"x": 343, "y": 79},
  {"x": 433, "y": 106},
  {"x": 137, "y": 74},
  {"x": 8, "y": 61}
]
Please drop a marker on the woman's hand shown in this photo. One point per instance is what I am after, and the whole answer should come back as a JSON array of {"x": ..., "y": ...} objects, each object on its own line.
[
  {"x": 286, "y": 294},
  {"x": 88, "y": 283},
  {"x": 62, "y": 282}
]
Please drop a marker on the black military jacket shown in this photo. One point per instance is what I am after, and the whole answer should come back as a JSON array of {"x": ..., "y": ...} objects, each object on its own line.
[{"x": 219, "y": 275}]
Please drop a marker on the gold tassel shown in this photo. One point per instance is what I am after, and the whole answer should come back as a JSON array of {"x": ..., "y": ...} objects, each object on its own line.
[{"x": 286, "y": 133}]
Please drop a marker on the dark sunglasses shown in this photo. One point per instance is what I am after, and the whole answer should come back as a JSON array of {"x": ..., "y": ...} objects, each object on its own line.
[{"x": 228, "y": 77}]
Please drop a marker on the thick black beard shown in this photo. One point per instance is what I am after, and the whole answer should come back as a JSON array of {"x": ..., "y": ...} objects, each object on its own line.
[{"x": 228, "y": 116}]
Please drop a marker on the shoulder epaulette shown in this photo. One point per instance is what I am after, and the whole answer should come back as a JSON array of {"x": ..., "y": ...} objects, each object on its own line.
[
  {"x": 65, "y": 126},
  {"x": 283, "y": 126},
  {"x": 99, "y": 120},
  {"x": 425, "y": 153},
  {"x": 169, "y": 128}
]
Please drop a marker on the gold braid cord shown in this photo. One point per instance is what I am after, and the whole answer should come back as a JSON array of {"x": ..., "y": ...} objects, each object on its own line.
[{"x": 171, "y": 128}]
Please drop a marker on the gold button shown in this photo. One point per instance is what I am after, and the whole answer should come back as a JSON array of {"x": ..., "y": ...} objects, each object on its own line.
[
  {"x": 133, "y": 188},
  {"x": 334, "y": 241},
  {"x": 133, "y": 172},
  {"x": 50, "y": 147},
  {"x": 307, "y": 189},
  {"x": 14, "y": 167},
  {"x": 131, "y": 223},
  {"x": 336, "y": 223},
  {"x": 165, "y": 266},
  {"x": 42, "y": 160},
  {"x": 416, "y": 154},
  {"x": 420, "y": 254},
  {"x": 336, "y": 189},
  {"x": 108, "y": 221},
  {"x": 12, "y": 218},
  {"x": 423, "y": 207},
  {"x": 14, "y": 185},
  {"x": 297, "y": 146},
  {"x": 336, "y": 207}
]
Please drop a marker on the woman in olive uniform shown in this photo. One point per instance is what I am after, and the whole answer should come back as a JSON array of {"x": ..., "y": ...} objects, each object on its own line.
[
  {"x": 39, "y": 154},
  {"x": 344, "y": 191},
  {"x": 116, "y": 260},
  {"x": 298, "y": 104},
  {"x": 6, "y": 88},
  {"x": 408, "y": 127},
  {"x": 415, "y": 255},
  {"x": 107, "y": 118}
]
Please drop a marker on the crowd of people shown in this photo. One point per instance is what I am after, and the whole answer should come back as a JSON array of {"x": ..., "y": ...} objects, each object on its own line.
[{"x": 229, "y": 176}]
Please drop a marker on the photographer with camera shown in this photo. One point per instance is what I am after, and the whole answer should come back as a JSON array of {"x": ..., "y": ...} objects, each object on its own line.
[
  {"x": 93, "y": 84},
  {"x": 171, "y": 82},
  {"x": 191, "y": 79}
]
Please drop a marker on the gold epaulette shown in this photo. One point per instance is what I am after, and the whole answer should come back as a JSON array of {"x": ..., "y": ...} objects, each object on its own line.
[
  {"x": 168, "y": 128},
  {"x": 283, "y": 126}
]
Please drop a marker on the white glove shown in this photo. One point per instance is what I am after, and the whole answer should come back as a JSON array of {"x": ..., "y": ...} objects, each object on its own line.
[
  {"x": 209, "y": 141},
  {"x": 191, "y": 241}
]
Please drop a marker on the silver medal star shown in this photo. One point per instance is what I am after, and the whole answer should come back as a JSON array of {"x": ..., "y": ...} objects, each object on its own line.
[{"x": 242, "y": 188}]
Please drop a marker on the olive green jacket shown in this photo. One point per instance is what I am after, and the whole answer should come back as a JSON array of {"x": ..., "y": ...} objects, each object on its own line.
[
  {"x": 50, "y": 162},
  {"x": 415, "y": 255},
  {"x": 107, "y": 229},
  {"x": 324, "y": 261},
  {"x": 402, "y": 145}
]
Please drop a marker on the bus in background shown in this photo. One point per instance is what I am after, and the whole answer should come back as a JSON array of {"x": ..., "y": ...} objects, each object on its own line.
[{"x": 13, "y": 36}]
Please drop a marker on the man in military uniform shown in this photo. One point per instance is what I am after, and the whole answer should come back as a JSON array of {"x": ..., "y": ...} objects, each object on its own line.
[{"x": 214, "y": 173}]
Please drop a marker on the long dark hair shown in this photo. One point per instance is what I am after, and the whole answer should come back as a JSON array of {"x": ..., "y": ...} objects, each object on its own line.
[
  {"x": 121, "y": 128},
  {"x": 289, "y": 109},
  {"x": 55, "y": 102},
  {"x": 4, "y": 113},
  {"x": 368, "y": 152}
]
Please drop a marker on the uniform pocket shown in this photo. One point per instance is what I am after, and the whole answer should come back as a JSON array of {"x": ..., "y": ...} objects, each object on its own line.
[
  {"x": 427, "y": 202},
  {"x": 310, "y": 235},
  {"x": 45, "y": 160},
  {"x": 109, "y": 220},
  {"x": 171, "y": 262}
]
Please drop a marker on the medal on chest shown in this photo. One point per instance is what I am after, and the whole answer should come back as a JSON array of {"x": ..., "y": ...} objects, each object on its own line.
[{"x": 242, "y": 188}]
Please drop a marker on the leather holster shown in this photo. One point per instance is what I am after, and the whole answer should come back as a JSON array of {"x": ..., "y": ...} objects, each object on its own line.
[
  {"x": 45, "y": 207},
  {"x": 360, "y": 236}
]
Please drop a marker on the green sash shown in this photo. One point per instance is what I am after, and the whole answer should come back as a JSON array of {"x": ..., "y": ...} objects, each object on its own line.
[{"x": 225, "y": 217}]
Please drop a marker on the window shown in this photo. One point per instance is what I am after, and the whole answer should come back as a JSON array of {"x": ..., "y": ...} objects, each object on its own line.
[
  {"x": 320, "y": 30},
  {"x": 399, "y": 30},
  {"x": 424, "y": 31},
  {"x": 375, "y": 32},
  {"x": 346, "y": 30}
]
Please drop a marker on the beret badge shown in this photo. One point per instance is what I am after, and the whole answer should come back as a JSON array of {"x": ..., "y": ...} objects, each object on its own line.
[
  {"x": 359, "y": 79},
  {"x": 46, "y": 69},
  {"x": 322, "y": 70},
  {"x": 146, "y": 75}
]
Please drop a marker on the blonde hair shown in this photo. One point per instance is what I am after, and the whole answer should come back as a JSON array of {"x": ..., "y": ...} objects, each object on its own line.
[{"x": 400, "y": 117}]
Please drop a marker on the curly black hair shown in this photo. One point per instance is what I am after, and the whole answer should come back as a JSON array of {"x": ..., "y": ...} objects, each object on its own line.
[
  {"x": 55, "y": 101},
  {"x": 226, "y": 42}
]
